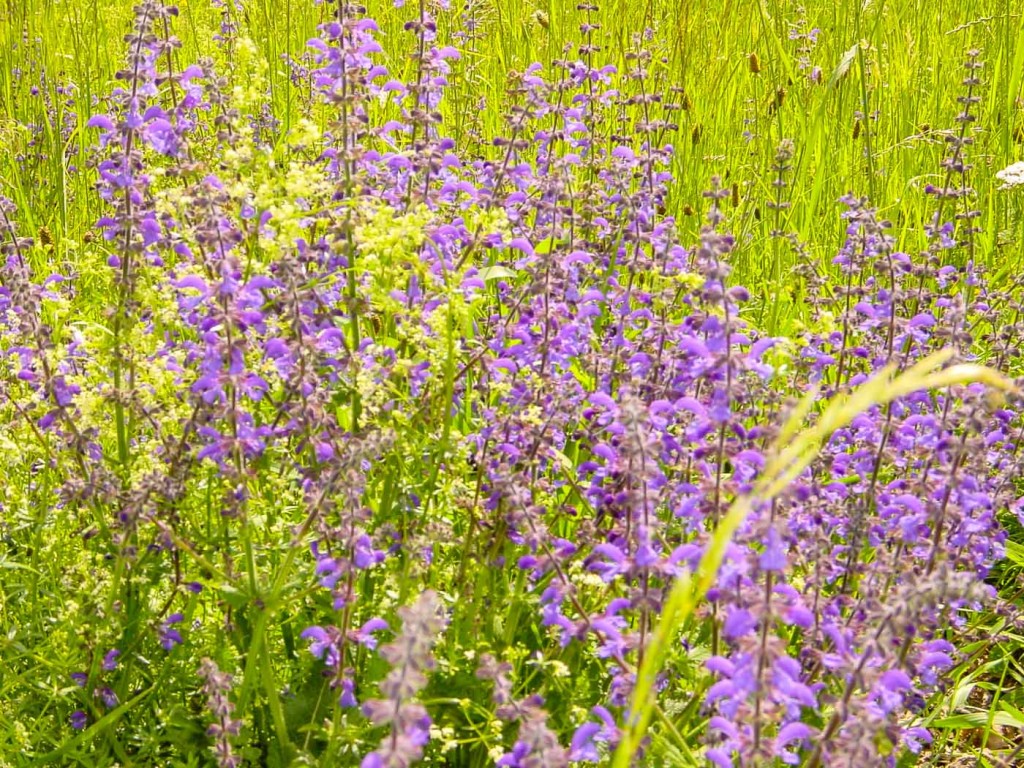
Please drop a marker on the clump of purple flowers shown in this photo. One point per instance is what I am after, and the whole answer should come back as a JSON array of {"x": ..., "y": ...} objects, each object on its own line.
[
  {"x": 410, "y": 659},
  {"x": 352, "y": 362},
  {"x": 217, "y": 686}
]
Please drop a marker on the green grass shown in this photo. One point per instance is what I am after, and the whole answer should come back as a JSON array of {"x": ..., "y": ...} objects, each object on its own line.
[
  {"x": 872, "y": 125},
  {"x": 886, "y": 59}
]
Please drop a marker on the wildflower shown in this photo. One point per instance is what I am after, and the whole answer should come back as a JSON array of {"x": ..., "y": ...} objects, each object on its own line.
[
  {"x": 169, "y": 636},
  {"x": 1011, "y": 176},
  {"x": 410, "y": 660},
  {"x": 225, "y": 727}
]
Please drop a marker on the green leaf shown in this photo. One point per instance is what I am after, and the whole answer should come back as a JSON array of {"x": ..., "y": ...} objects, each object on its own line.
[
  {"x": 1015, "y": 552},
  {"x": 977, "y": 720},
  {"x": 545, "y": 246},
  {"x": 233, "y": 596},
  {"x": 1013, "y": 712},
  {"x": 843, "y": 67},
  {"x": 496, "y": 272}
]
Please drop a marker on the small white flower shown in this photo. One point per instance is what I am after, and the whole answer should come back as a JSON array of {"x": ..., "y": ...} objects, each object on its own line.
[
  {"x": 1011, "y": 176},
  {"x": 559, "y": 669},
  {"x": 496, "y": 753}
]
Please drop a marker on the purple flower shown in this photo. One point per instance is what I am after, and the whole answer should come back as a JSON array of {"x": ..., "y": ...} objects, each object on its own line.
[
  {"x": 774, "y": 556},
  {"x": 324, "y": 644},
  {"x": 787, "y": 735},
  {"x": 169, "y": 636},
  {"x": 410, "y": 659}
]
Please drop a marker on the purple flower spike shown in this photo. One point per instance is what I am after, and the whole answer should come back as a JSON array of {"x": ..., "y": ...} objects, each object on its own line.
[
  {"x": 169, "y": 636},
  {"x": 79, "y": 719}
]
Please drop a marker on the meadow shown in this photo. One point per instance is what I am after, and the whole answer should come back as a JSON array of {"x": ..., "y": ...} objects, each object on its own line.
[{"x": 501, "y": 383}]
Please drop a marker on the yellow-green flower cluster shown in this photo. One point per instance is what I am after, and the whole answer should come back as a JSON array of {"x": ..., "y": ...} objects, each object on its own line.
[
  {"x": 304, "y": 133},
  {"x": 388, "y": 239},
  {"x": 250, "y": 69}
]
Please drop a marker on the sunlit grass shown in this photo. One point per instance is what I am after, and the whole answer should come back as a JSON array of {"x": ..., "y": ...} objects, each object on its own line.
[{"x": 866, "y": 95}]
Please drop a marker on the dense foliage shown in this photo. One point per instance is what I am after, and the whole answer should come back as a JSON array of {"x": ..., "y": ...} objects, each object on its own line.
[{"x": 341, "y": 442}]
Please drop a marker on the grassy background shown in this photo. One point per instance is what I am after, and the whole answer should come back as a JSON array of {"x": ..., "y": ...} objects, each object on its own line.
[
  {"x": 895, "y": 62},
  {"x": 873, "y": 125}
]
